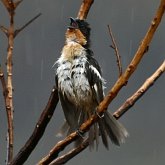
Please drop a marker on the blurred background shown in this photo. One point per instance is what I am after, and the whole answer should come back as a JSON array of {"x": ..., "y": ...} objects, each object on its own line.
[{"x": 39, "y": 46}]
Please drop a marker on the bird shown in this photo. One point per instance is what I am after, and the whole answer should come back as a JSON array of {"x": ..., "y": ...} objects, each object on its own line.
[{"x": 81, "y": 88}]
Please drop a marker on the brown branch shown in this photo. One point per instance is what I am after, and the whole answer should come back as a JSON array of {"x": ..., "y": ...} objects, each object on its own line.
[
  {"x": 60, "y": 146},
  {"x": 118, "y": 113},
  {"x": 10, "y": 6},
  {"x": 9, "y": 86},
  {"x": 84, "y": 9},
  {"x": 140, "y": 92},
  {"x": 113, "y": 92},
  {"x": 6, "y": 4},
  {"x": 39, "y": 130},
  {"x": 24, "y": 26},
  {"x": 66, "y": 157},
  {"x": 114, "y": 46}
]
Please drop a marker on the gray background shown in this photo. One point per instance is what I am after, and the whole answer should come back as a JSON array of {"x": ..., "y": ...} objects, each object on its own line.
[{"x": 39, "y": 45}]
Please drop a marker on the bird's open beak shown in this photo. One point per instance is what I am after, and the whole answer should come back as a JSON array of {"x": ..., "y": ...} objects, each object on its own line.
[{"x": 73, "y": 23}]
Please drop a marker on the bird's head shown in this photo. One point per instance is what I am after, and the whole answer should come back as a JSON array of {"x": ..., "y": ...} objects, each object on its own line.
[{"x": 78, "y": 31}]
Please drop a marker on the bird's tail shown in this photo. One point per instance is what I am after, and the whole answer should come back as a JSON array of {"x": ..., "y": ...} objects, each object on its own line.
[
  {"x": 107, "y": 127},
  {"x": 110, "y": 127}
]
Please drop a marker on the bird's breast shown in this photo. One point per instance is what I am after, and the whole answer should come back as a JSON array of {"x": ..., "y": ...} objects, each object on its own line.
[{"x": 72, "y": 79}]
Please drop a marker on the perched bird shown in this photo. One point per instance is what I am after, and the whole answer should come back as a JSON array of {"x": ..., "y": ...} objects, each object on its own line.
[{"x": 80, "y": 86}]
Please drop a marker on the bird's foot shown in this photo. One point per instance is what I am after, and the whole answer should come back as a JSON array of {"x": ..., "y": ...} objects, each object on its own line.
[
  {"x": 100, "y": 116},
  {"x": 80, "y": 133}
]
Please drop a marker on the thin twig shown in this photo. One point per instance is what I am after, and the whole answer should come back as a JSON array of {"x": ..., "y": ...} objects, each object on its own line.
[
  {"x": 118, "y": 113},
  {"x": 113, "y": 92},
  {"x": 4, "y": 30},
  {"x": 140, "y": 92},
  {"x": 114, "y": 46},
  {"x": 24, "y": 26},
  {"x": 66, "y": 157},
  {"x": 84, "y": 9},
  {"x": 39, "y": 130}
]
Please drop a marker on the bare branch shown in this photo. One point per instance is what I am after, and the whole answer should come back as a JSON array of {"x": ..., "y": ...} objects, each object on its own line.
[
  {"x": 114, "y": 46},
  {"x": 84, "y": 9},
  {"x": 39, "y": 130},
  {"x": 140, "y": 92},
  {"x": 66, "y": 157},
  {"x": 60, "y": 146},
  {"x": 9, "y": 135},
  {"x": 9, "y": 85},
  {"x": 113, "y": 92},
  {"x": 24, "y": 26},
  {"x": 9, "y": 5},
  {"x": 6, "y": 4}
]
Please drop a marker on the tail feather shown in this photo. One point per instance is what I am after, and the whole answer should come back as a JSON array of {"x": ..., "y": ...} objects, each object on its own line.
[
  {"x": 96, "y": 128},
  {"x": 91, "y": 137},
  {"x": 65, "y": 128},
  {"x": 103, "y": 132},
  {"x": 110, "y": 132},
  {"x": 114, "y": 129},
  {"x": 106, "y": 127}
]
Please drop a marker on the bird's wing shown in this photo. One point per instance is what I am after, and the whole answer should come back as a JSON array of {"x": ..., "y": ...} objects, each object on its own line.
[
  {"x": 93, "y": 73},
  {"x": 94, "y": 76},
  {"x": 70, "y": 110}
]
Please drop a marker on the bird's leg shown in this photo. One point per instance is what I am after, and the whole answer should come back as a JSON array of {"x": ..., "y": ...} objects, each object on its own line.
[
  {"x": 100, "y": 116},
  {"x": 80, "y": 133}
]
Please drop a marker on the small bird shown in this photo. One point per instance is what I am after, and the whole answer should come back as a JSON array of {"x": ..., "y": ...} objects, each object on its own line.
[{"x": 80, "y": 88}]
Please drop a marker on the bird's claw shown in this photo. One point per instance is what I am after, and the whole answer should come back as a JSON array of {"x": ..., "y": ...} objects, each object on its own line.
[
  {"x": 80, "y": 133},
  {"x": 100, "y": 116}
]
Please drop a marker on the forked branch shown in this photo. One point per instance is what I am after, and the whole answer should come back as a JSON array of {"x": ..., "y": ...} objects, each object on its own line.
[
  {"x": 7, "y": 84},
  {"x": 27, "y": 24},
  {"x": 11, "y": 5},
  {"x": 6, "y": 4},
  {"x": 140, "y": 92}
]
